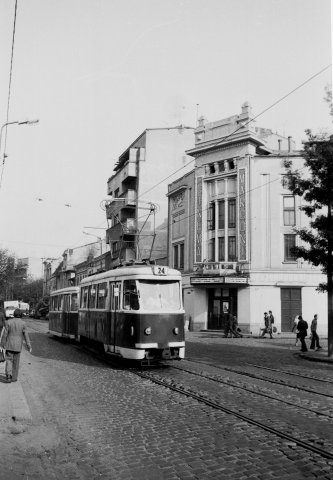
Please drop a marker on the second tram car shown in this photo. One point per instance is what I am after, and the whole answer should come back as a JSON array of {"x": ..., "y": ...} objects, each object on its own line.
[
  {"x": 135, "y": 311},
  {"x": 63, "y": 312}
]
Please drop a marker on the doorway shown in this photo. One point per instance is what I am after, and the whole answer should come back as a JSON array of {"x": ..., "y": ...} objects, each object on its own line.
[
  {"x": 221, "y": 301},
  {"x": 291, "y": 305}
]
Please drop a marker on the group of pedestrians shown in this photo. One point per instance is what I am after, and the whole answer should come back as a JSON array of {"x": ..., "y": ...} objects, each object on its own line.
[
  {"x": 301, "y": 328},
  {"x": 12, "y": 333},
  {"x": 269, "y": 324}
]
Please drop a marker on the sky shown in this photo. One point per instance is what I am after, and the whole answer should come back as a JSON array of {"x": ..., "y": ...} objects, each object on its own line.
[{"x": 97, "y": 73}]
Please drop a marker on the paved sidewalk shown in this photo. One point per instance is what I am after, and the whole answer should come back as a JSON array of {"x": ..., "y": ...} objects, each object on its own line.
[
  {"x": 13, "y": 404},
  {"x": 314, "y": 355}
]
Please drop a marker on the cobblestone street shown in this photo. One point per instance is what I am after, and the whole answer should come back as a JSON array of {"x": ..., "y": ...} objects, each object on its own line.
[{"x": 75, "y": 416}]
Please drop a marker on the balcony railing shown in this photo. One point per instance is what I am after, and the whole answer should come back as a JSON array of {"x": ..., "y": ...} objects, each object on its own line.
[
  {"x": 129, "y": 171},
  {"x": 123, "y": 230}
]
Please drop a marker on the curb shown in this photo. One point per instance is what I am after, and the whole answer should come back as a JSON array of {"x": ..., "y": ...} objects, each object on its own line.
[
  {"x": 13, "y": 404},
  {"x": 316, "y": 358}
]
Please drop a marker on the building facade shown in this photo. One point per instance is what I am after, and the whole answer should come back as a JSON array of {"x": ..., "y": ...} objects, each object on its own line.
[
  {"x": 137, "y": 212},
  {"x": 76, "y": 264},
  {"x": 231, "y": 230}
]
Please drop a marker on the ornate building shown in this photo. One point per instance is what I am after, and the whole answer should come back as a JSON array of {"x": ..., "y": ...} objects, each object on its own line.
[{"x": 231, "y": 230}]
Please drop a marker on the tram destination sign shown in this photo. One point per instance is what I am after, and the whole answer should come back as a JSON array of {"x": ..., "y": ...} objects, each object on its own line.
[{"x": 210, "y": 280}]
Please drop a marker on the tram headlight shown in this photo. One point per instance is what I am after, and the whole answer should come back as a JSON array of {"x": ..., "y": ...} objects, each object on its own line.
[
  {"x": 148, "y": 331},
  {"x": 176, "y": 330}
]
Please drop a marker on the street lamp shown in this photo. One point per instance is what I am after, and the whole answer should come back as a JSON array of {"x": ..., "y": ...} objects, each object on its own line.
[{"x": 17, "y": 122}]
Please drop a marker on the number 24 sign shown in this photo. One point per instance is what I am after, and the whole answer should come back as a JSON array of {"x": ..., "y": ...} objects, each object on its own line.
[{"x": 160, "y": 270}]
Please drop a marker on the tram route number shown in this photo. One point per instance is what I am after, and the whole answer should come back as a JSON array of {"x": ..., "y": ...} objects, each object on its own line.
[
  {"x": 116, "y": 292},
  {"x": 160, "y": 270}
]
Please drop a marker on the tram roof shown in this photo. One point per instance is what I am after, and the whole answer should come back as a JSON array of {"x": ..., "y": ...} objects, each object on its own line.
[
  {"x": 137, "y": 271},
  {"x": 65, "y": 290}
]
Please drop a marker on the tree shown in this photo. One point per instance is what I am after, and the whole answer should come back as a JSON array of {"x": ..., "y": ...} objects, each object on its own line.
[
  {"x": 315, "y": 184},
  {"x": 7, "y": 272}
]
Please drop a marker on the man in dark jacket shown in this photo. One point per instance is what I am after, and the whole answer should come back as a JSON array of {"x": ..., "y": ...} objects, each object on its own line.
[
  {"x": 12, "y": 341},
  {"x": 302, "y": 327}
]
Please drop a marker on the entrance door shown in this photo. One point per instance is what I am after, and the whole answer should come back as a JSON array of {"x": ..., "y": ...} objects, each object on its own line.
[
  {"x": 220, "y": 303},
  {"x": 291, "y": 305}
]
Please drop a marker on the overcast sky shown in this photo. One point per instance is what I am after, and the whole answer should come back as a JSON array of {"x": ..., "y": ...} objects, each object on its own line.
[{"x": 96, "y": 73}]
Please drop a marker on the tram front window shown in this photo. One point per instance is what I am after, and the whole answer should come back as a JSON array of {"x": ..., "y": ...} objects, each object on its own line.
[
  {"x": 159, "y": 295},
  {"x": 130, "y": 300}
]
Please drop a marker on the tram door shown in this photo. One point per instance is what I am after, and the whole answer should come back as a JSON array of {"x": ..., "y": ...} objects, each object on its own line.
[
  {"x": 66, "y": 310},
  {"x": 115, "y": 292}
]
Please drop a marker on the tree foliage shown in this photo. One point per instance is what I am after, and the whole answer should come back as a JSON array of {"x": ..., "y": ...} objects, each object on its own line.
[
  {"x": 314, "y": 182},
  {"x": 14, "y": 282}
]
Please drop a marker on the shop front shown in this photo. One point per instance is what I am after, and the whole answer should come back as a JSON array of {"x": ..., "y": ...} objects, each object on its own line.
[{"x": 221, "y": 298}]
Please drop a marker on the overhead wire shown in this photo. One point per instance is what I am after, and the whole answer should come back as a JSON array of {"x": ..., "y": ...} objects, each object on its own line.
[
  {"x": 245, "y": 123},
  {"x": 9, "y": 94}
]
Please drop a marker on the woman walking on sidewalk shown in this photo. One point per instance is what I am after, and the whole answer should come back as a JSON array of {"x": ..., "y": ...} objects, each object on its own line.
[{"x": 12, "y": 341}]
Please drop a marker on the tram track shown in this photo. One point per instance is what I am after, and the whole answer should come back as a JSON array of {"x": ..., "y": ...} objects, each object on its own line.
[
  {"x": 311, "y": 444},
  {"x": 266, "y": 379},
  {"x": 255, "y": 392},
  {"x": 200, "y": 398},
  {"x": 324, "y": 380}
]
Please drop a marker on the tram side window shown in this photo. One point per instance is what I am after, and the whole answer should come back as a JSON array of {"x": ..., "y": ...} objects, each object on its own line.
[
  {"x": 115, "y": 289},
  {"x": 61, "y": 303},
  {"x": 101, "y": 295},
  {"x": 130, "y": 299},
  {"x": 74, "y": 302},
  {"x": 84, "y": 297},
  {"x": 92, "y": 296}
]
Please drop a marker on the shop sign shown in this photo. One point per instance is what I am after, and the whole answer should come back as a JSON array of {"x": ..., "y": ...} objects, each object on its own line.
[
  {"x": 236, "y": 280},
  {"x": 206, "y": 280},
  {"x": 210, "y": 280}
]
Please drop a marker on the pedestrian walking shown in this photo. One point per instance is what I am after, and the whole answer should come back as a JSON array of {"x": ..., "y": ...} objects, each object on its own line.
[
  {"x": 268, "y": 326},
  {"x": 228, "y": 326},
  {"x": 12, "y": 341},
  {"x": 271, "y": 317},
  {"x": 314, "y": 334},
  {"x": 302, "y": 328},
  {"x": 294, "y": 329},
  {"x": 234, "y": 328}
]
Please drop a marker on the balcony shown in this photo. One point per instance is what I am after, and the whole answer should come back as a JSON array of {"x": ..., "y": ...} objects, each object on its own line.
[
  {"x": 128, "y": 172},
  {"x": 122, "y": 231},
  {"x": 126, "y": 200}
]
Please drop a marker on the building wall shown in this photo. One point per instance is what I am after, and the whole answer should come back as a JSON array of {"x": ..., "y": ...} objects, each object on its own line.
[
  {"x": 181, "y": 221},
  {"x": 164, "y": 155}
]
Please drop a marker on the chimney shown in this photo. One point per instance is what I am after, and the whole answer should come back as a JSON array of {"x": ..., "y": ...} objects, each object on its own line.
[
  {"x": 289, "y": 144},
  {"x": 279, "y": 142}
]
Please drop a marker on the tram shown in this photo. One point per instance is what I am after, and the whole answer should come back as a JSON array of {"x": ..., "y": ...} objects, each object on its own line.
[
  {"x": 63, "y": 312},
  {"x": 134, "y": 312}
]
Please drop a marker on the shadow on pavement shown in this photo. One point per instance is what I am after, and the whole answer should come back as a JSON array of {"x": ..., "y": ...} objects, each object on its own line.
[{"x": 54, "y": 348}]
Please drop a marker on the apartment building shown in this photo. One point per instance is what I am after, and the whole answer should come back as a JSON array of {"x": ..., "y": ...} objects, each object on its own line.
[{"x": 138, "y": 208}]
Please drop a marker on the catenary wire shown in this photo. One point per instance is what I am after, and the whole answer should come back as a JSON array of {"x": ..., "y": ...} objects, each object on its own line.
[
  {"x": 9, "y": 94},
  {"x": 246, "y": 123}
]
